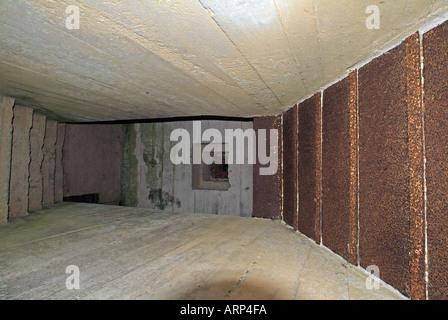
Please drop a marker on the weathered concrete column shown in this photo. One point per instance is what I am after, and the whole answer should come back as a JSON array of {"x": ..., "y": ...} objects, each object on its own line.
[
  {"x": 6, "y": 104},
  {"x": 37, "y": 135},
  {"x": 49, "y": 163},
  {"x": 59, "y": 173},
  {"x": 20, "y": 160}
]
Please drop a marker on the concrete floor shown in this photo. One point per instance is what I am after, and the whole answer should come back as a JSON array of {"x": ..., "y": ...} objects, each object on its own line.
[{"x": 131, "y": 253}]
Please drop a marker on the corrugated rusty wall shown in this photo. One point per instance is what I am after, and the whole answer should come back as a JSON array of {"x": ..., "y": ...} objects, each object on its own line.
[
  {"x": 290, "y": 193},
  {"x": 309, "y": 150},
  {"x": 416, "y": 167},
  {"x": 380, "y": 197},
  {"x": 267, "y": 200},
  {"x": 339, "y": 168},
  {"x": 435, "y": 52},
  {"x": 383, "y": 168}
]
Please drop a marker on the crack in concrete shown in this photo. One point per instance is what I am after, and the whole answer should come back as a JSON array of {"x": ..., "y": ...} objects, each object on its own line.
[
  {"x": 239, "y": 50},
  {"x": 242, "y": 278}
]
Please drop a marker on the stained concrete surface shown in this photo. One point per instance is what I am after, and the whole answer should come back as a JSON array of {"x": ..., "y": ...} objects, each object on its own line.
[
  {"x": 6, "y": 116},
  {"x": 37, "y": 136},
  {"x": 134, "y": 253},
  {"x": 140, "y": 59},
  {"x": 20, "y": 161}
]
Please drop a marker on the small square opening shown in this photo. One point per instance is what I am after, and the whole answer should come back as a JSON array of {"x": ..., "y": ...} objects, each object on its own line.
[{"x": 213, "y": 176}]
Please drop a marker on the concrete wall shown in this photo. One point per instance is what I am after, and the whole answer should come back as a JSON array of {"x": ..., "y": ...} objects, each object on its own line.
[
  {"x": 150, "y": 180},
  {"x": 380, "y": 196},
  {"x": 20, "y": 160},
  {"x": 6, "y": 105},
  {"x": 27, "y": 150},
  {"x": 91, "y": 158}
]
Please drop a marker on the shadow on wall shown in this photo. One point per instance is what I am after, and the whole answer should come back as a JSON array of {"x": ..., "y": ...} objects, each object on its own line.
[{"x": 92, "y": 157}]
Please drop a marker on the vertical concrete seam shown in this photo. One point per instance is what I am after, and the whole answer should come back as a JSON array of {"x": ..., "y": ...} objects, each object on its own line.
[
  {"x": 358, "y": 256},
  {"x": 242, "y": 54},
  {"x": 319, "y": 215},
  {"x": 281, "y": 170},
  {"x": 59, "y": 175},
  {"x": 416, "y": 163},
  {"x": 296, "y": 227},
  {"x": 41, "y": 165},
  {"x": 425, "y": 225},
  {"x": 54, "y": 166},
  {"x": 353, "y": 145},
  {"x": 289, "y": 44},
  {"x": 29, "y": 163},
  {"x": 62, "y": 160},
  {"x": 10, "y": 162}
]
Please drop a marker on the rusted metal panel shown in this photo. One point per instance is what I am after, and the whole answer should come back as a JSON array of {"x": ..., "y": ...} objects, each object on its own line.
[
  {"x": 267, "y": 197},
  {"x": 354, "y": 168},
  {"x": 384, "y": 206},
  {"x": 339, "y": 168},
  {"x": 290, "y": 183},
  {"x": 309, "y": 167},
  {"x": 435, "y": 53},
  {"x": 416, "y": 167}
]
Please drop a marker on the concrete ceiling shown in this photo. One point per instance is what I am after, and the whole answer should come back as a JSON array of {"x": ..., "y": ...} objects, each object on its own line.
[{"x": 135, "y": 59}]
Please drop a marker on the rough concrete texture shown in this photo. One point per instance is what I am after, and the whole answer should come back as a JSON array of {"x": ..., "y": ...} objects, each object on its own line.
[
  {"x": 20, "y": 160},
  {"x": 92, "y": 159},
  {"x": 134, "y": 253},
  {"x": 416, "y": 167},
  {"x": 37, "y": 135},
  {"x": 337, "y": 209},
  {"x": 309, "y": 167},
  {"x": 238, "y": 58},
  {"x": 49, "y": 163},
  {"x": 6, "y": 115},
  {"x": 59, "y": 171},
  {"x": 290, "y": 182},
  {"x": 267, "y": 200},
  {"x": 384, "y": 207},
  {"x": 129, "y": 174},
  {"x": 435, "y": 52}
]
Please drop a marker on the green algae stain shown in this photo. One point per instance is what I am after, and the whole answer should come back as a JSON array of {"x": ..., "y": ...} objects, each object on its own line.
[
  {"x": 161, "y": 199},
  {"x": 129, "y": 168}
]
